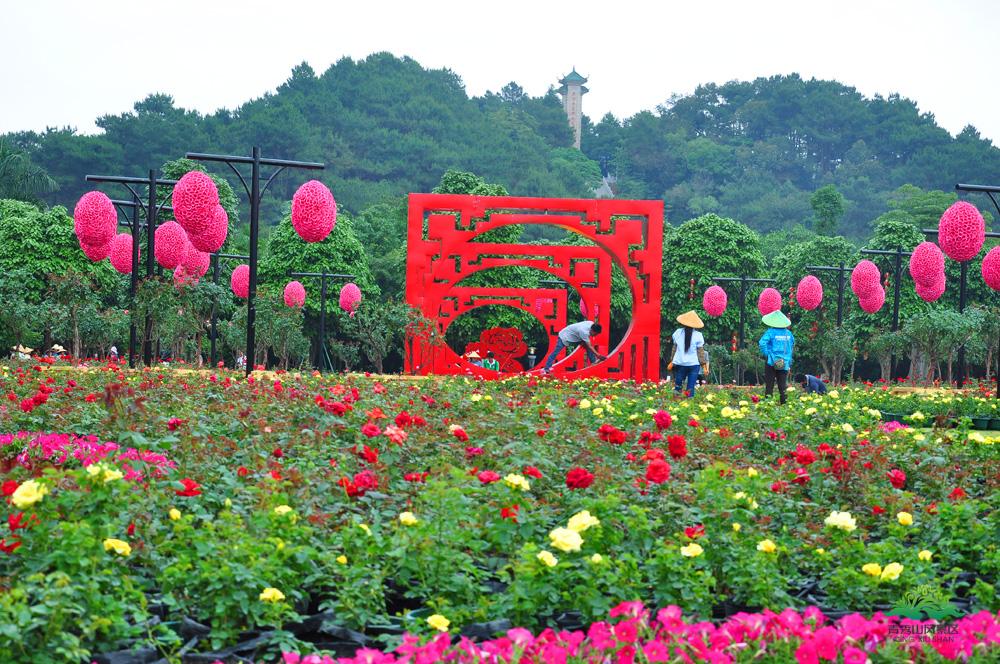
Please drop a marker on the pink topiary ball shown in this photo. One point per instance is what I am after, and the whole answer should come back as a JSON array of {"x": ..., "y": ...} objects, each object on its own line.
[
  {"x": 240, "y": 281},
  {"x": 865, "y": 279},
  {"x": 170, "y": 245},
  {"x": 873, "y": 301},
  {"x": 350, "y": 298},
  {"x": 95, "y": 219},
  {"x": 809, "y": 293},
  {"x": 194, "y": 199},
  {"x": 314, "y": 212},
  {"x": 120, "y": 253},
  {"x": 96, "y": 253},
  {"x": 714, "y": 301},
  {"x": 295, "y": 294},
  {"x": 932, "y": 292},
  {"x": 768, "y": 301},
  {"x": 961, "y": 231},
  {"x": 214, "y": 235},
  {"x": 195, "y": 262},
  {"x": 926, "y": 264},
  {"x": 991, "y": 268}
]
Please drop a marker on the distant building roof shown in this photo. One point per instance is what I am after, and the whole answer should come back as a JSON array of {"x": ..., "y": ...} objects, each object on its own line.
[{"x": 573, "y": 77}]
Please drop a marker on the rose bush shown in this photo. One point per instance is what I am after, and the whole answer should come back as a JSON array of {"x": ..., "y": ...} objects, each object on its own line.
[{"x": 247, "y": 504}]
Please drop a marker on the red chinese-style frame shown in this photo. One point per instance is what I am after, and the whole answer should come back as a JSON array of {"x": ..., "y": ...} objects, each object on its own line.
[{"x": 442, "y": 251}]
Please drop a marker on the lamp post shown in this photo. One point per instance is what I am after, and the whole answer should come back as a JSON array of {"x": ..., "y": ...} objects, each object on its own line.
[
  {"x": 254, "y": 192},
  {"x": 989, "y": 190},
  {"x": 963, "y": 281},
  {"x": 151, "y": 209},
  {"x": 744, "y": 281},
  {"x": 324, "y": 359}
]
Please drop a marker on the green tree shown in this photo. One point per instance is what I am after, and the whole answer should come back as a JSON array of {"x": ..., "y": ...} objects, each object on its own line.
[
  {"x": 700, "y": 249},
  {"x": 20, "y": 179},
  {"x": 828, "y": 204}
]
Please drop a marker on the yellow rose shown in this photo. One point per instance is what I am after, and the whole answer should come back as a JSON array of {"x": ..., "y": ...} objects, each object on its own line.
[
  {"x": 547, "y": 558},
  {"x": 597, "y": 559},
  {"x": 364, "y": 527},
  {"x": 767, "y": 546},
  {"x": 872, "y": 569},
  {"x": 342, "y": 559},
  {"x": 580, "y": 521},
  {"x": 565, "y": 539},
  {"x": 407, "y": 519},
  {"x": 476, "y": 397},
  {"x": 736, "y": 527},
  {"x": 112, "y": 474},
  {"x": 439, "y": 622},
  {"x": 282, "y": 510},
  {"x": 841, "y": 520},
  {"x": 905, "y": 519},
  {"x": 925, "y": 555},
  {"x": 692, "y": 550},
  {"x": 891, "y": 572},
  {"x": 752, "y": 472},
  {"x": 271, "y": 595},
  {"x": 28, "y": 494},
  {"x": 584, "y": 404},
  {"x": 847, "y": 428},
  {"x": 118, "y": 546},
  {"x": 175, "y": 514},
  {"x": 517, "y": 482},
  {"x": 811, "y": 410}
]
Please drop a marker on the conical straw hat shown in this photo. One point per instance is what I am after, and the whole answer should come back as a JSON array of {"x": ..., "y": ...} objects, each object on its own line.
[{"x": 690, "y": 319}]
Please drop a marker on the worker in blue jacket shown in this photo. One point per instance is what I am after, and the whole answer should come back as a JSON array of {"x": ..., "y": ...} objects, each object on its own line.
[{"x": 776, "y": 346}]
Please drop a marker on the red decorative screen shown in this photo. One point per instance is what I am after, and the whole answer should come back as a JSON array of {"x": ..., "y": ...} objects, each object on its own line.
[{"x": 442, "y": 251}]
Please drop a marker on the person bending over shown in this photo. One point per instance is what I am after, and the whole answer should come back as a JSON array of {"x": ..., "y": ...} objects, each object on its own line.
[{"x": 571, "y": 335}]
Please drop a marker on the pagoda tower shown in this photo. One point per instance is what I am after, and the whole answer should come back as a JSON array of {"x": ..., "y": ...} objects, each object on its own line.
[{"x": 572, "y": 92}]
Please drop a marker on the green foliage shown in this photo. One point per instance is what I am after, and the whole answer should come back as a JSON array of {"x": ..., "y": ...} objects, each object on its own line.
[
  {"x": 828, "y": 204},
  {"x": 706, "y": 247},
  {"x": 20, "y": 179}
]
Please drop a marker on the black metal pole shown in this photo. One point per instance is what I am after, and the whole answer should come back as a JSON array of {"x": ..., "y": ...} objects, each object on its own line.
[
  {"x": 322, "y": 323},
  {"x": 147, "y": 352},
  {"x": 133, "y": 282},
  {"x": 254, "y": 232},
  {"x": 215, "y": 281},
  {"x": 963, "y": 283},
  {"x": 840, "y": 296}
]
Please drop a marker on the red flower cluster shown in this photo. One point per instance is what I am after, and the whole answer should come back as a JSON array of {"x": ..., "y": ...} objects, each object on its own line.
[
  {"x": 191, "y": 488},
  {"x": 897, "y": 478},
  {"x": 611, "y": 434},
  {"x": 579, "y": 478},
  {"x": 658, "y": 471},
  {"x": 489, "y": 477},
  {"x": 677, "y": 446},
  {"x": 363, "y": 482},
  {"x": 662, "y": 419}
]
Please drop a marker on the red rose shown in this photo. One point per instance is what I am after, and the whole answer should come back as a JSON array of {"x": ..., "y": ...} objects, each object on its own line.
[
  {"x": 897, "y": 478},
  {"x": 9, "y": 487},
  {"x": 277, "y": 453},
  {"x": 366, "y": 480},
  {"x": 779, "y": 486},
  {"x": 191, "y": 488},
  {"x": 371, "y": 430},
  {"x": 662, "y": 419},
  {"x": 415, "y": 477},
  {"x": 877, "y": 509},
  {"x": 804, "y": 455},
  {"x": 658, "y": 471},
  {"x": 488, "y": 477},
  {"x": 370, "y": 455},
  {"x": 801, "y": 476},
  {"x": 677, "y": 445},
  {"x": 692, "y": 422},
  {"x": 694, "y": 532},
  {"x": 531, "y": 471},
  {"x": 12, "y": 546},
  {"x": 242, "y": 471},
  {"x": 403, "y": 420},
  {"x": 579, "y": 478},
  {"x": 957, "y": 493},
  {"x": 459, "y": 432},
  {"x": 510, "y": 512}
]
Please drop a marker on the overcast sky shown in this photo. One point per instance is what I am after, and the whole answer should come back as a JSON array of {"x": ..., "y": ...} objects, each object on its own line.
[{"x": 65, "y": 62}]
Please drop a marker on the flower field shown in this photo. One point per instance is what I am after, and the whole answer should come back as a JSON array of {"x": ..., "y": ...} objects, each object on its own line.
[{"x": 199, "y": 516}]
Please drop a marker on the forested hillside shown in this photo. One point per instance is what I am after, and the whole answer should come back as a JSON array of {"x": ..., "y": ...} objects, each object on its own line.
[{"x": 754, "y": 151}]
